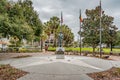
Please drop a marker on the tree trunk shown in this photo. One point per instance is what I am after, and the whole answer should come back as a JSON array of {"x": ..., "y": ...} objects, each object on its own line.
[
  {"x": 93, "y": 49},
  {"x": 41, "y": 44},
  {"x": 54, "y": 43},
  {"x": 111, "y": 47}
]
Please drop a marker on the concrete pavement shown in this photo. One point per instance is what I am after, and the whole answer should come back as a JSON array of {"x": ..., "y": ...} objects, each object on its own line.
[{"x": 49, "y": 68}]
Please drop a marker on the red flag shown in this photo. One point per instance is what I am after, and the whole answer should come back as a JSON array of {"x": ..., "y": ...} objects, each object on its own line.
[
  {"x": 61, "y": 18},
  {"x": 80, "y": 17}
]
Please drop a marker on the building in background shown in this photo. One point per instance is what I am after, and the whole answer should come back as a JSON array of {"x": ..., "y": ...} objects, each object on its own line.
[{"x": 4, "y": 43}]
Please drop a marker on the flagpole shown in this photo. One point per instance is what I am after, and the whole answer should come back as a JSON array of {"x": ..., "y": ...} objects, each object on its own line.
[
  {"x": 80, "y": 32},
  {"x": 100, "y": 32},
  {"x": 61, "y": 22},
  {"x": 60, "y": 44}
]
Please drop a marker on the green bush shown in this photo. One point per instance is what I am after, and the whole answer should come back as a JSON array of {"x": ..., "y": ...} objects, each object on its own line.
[
  {"x": 12, "y": 49},
  {"x": 67, "y": 49},
  {"x": 51, "y": 49},
  {"x": 29, "y": 50},
  {"x": 70, "y": 49},
  {"x": 22, "y": 50}
]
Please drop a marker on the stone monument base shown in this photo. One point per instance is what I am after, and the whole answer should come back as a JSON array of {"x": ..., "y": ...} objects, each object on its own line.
[
  {"x": 60, "y": 53},
  {"x": 60, "y": 56}
]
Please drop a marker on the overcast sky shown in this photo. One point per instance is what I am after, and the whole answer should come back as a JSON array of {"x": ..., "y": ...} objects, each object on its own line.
[{"x": 70, "y": 9}]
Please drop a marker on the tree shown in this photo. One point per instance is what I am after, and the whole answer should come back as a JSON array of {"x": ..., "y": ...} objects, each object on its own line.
[
  {"x": 5, "y": 26},
  {"x": 31, "y": 16},
  {"x": 3, "y": 6},
  {"x": 43, "y": 36},
  {"x": 53, "y": 27},
  {"x": 68, "y": 35},
  {"x": 117, "y": 42},
  {"x": 91, "y": 27},
  {"x": 19, "y": 19}
]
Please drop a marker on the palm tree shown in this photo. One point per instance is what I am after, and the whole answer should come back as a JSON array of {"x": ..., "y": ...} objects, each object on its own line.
[
  {"x": 44, "y": 37},
  {"x": 52, "y": 26}
]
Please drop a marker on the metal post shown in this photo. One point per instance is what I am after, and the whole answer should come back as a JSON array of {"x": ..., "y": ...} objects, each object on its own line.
[
  {"x": 111, "y": 32},
  {"x": 60, "y": 41},
  {"x": 100, "y": 33},
  {"x": 80, "y": 34}
]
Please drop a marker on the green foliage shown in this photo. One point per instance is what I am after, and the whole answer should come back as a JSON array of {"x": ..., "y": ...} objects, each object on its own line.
[
  {"x": 68, "y": 35},
  {"x": 71, "y": 49},
  {"x": 12, "y": 49},
  {"x": 21, "y": 50},
  {"x": 118, "y": 39},
  {"x": 68, "y": 49},
  {"x": 15, "y": 42},
  {"x": 31, "y": 16},
  {"x": 19, "y": 19},
  {"x": 91, "y": 27},
  {"x": 53, "y": 27},
  {"x": 51, "y": 49}
]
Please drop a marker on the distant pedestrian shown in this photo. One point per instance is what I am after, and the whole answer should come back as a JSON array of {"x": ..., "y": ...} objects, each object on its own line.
[{"x": 46, "y": 48}]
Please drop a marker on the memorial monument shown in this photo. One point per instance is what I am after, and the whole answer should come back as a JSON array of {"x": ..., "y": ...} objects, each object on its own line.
[{"x": 60, "y": 50}]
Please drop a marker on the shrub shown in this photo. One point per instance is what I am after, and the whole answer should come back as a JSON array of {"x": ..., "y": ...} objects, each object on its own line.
[
  {"x": 22, "y": 50},
  {"x": 51, "y": 49},
  {"x": 12, "y": 49}
]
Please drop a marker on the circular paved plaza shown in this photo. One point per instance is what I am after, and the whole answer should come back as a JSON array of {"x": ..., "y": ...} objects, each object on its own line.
[{"x": 47, "y": 67}]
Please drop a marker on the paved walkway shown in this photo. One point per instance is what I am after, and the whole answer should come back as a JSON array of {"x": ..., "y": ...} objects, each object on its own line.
[{"x": 47, "y": 67}]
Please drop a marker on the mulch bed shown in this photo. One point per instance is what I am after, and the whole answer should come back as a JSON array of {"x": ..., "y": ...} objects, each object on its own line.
[
  {"x": 23, "y": 56},
  {"x": 111, "y": 74},
  {"x": 8, "y": 72}
]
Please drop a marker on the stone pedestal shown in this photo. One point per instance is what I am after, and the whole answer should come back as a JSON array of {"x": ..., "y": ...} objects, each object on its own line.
[{"x": 60, "y": 53}]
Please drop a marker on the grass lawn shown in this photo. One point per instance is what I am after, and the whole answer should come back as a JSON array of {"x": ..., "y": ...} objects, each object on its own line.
[{"x": 105, "y": 50}]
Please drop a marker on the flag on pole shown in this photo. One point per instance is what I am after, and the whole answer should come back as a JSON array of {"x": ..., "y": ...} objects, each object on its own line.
[
  {"x": 80, "y": 17},
  {"x": 101, "y": 10},
  {"x": 61, "y": 17}
]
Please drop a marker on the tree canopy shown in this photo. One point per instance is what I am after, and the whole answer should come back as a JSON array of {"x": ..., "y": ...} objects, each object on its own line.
[
  {"x": 53, "y": 27},
  {"x": 91, "y": 28},
  {"x": 19, "y": 19}
]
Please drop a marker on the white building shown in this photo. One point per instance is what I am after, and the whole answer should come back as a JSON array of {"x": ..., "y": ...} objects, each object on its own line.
[{"x": 3, "y": 43}]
